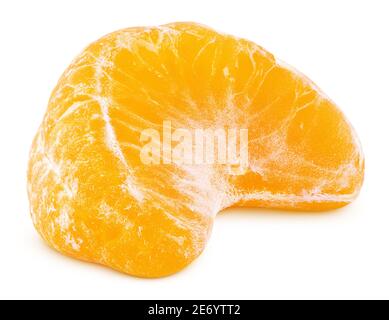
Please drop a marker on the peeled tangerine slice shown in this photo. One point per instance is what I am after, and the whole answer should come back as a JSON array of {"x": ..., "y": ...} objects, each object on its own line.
[{"x": 96, "y": 196}]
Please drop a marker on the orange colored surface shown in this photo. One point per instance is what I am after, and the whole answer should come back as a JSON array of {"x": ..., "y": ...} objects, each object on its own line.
[{"x": 93, "y": 199}]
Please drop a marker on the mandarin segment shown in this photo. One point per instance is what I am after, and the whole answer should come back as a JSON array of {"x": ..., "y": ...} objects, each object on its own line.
[{"x": 93, "y": 198}]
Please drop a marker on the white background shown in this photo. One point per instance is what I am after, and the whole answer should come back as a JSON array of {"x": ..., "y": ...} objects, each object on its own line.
[{"x": 253, "y": 254}]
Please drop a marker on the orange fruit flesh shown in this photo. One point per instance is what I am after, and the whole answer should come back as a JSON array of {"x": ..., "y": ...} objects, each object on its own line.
[{"x": 91, "y": 196}]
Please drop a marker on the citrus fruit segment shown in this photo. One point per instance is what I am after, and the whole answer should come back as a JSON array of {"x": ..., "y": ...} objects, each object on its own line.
[{"x": 94, "y": 196}]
